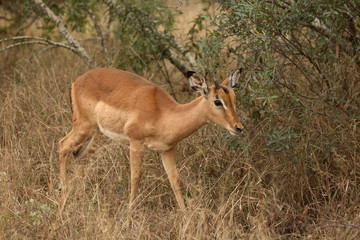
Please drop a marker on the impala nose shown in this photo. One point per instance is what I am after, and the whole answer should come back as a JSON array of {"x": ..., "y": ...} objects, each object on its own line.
[{"x": 238, "y": 130}]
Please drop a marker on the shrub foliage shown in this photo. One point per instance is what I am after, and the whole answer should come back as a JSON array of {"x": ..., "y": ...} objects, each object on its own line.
[{"x": 294, "y": 173}]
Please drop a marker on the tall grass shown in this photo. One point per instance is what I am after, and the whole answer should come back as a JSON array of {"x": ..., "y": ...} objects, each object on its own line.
[{"x": 230, "y": 194}]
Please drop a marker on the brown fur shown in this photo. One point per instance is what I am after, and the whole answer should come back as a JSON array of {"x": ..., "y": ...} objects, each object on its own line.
[{"x": 124, "y": 105}]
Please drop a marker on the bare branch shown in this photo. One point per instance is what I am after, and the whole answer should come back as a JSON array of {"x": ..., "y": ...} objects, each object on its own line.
[
  {"x": 6, "y": 18},
  {"x": 99, "y": 32},
  {"x": 177, "y": 62},
  {"x": 55, "y": 46},
  {"x": 73, "y": 42},
  {"x": 175, "y": 44},
  {"x": 44, "y": 50},
  {"x": 25, "y": 38},
  {"x": 170, "y": 46},
  {"x": 321, "y": 28},
  {"x": 39, "y": 42},
  {"x": 23, "y": 27}
]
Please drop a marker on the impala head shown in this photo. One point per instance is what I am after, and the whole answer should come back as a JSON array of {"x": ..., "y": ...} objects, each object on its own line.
[{"x": 220, "y": 99}]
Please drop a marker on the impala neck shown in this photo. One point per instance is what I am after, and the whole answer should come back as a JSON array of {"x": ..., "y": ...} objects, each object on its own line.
[{"x": 187, "y": 118}]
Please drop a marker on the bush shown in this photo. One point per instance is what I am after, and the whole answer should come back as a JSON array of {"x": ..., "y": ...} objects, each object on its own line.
[{"x": 300, "y": 93}]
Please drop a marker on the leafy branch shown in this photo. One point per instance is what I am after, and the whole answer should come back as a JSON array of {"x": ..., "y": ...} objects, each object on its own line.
[
  {"x": 78, "y": 49},
  {"x": 72, "y": 43},
  {"x": 165, "y": 43}
]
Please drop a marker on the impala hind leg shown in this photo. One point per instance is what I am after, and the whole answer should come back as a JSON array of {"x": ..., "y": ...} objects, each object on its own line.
[
  {"x": 72, "y": 142},
  {"x": 169, "y": 162},
  {"x": 89, "y": 145}
]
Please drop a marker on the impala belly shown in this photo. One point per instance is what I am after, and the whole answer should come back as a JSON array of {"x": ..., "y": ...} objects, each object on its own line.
[
  {"x": 158, "y": 146},
  {"x": 119, "y": 126},
  {"x": 151, "y": 144},
  {"x": 111, "y": 122},
  {"x": 112, "y": 135}
]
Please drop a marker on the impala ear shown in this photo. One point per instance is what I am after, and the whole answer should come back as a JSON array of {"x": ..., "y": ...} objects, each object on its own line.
[
  {"x": 235, "y": 78},
  {"x": 197, "y": 83}
]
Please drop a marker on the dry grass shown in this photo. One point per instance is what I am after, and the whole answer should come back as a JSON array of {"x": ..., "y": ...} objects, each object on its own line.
[{"x": 229, "y": 194}]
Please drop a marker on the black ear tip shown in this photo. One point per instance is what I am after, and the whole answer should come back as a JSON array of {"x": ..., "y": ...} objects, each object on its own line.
[
  {"x": 190, "y": 73},
  {"x": 240, "y": 70}
]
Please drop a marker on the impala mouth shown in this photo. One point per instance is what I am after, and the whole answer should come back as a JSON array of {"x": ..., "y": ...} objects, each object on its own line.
[
  {"x": 232, "y": 132},
  {"x": 235, "y": 133}
]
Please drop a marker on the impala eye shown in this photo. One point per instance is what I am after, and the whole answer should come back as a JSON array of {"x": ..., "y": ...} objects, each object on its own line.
[{"x": 218, "y": 103}]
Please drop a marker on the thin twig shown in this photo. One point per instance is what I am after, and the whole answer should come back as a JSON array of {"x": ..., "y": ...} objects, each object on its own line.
[
  {"x": 24, "y": 38},
  {"x": 6, "y": 18},
  {"x": 99, "y": 32},
  {"x": 21, "y": 28},
  {"x": 55, "y": 46},
  {"x": 39, "y": 42}
]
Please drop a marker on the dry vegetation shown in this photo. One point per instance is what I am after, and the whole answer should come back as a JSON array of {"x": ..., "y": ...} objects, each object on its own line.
[{"x": 229, "y": 194}]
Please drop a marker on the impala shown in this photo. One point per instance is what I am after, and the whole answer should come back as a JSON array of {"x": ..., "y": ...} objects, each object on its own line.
[{"x": 125, "y": 106}]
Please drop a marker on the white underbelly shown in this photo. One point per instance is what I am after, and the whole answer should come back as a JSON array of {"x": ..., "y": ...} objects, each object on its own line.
[
  {"x": 157, "y": 146},
  {"x": 113, "y": 135}
]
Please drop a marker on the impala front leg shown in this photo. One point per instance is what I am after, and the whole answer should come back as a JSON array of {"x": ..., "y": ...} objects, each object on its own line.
[
  {"x": 169, "y": 162},
  {"x": 136, "y": 155}
]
